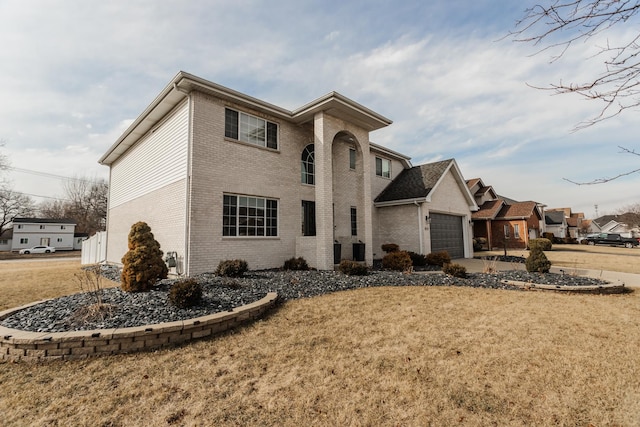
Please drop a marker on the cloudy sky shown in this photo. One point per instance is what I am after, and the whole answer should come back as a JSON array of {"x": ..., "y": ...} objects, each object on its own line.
[{"x": 76, "y": 73}]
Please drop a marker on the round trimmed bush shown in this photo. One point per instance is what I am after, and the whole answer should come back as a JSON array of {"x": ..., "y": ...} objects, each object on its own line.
[
  {"x": 352, "y": 268},
  {"x": 417, "y": 259},
  {"x": 438, "y": 258},
  {"x": 455, "y": 270},
  {"x": 397, "y": 261},
  {"x": 232, "y": 268},
  {"x": 296, "y": 264},
  {"x": 185, "y": 293},
  {"x": 390, "y": 247}
]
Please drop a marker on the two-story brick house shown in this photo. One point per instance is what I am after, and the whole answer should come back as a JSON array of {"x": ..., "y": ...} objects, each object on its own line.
[{"x": 221, "y": 175}]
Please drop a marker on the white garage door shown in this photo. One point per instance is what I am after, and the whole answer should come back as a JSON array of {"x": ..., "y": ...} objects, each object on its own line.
[{"x": 446, "y": 234}]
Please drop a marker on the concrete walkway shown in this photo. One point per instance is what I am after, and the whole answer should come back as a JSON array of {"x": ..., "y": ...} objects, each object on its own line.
[{"x": 631, "y": 280}]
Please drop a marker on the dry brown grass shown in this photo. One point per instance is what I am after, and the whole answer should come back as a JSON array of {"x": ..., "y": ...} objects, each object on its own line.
[
  {"x": 380, "y": 356},
  {"x": 585, "y": 257}
]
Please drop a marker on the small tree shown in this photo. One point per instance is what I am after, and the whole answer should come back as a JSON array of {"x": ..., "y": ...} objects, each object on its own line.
[
  {"x": 142, "y": 264},
  {"x": 537, "y": 261}
]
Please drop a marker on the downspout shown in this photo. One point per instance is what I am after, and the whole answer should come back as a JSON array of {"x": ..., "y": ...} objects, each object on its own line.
[
  {"x": 187, "y": 220},
  {"x": 420, "y": 231}
]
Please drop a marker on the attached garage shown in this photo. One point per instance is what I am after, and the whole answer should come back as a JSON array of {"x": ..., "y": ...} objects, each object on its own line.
[{"x": 447, "y": 234}]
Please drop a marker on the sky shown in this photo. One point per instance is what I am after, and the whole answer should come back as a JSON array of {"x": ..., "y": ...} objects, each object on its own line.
[{"x": 76, "y": 74}]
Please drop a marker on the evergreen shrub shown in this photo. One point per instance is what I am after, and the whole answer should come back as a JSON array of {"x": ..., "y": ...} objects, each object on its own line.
[
  {"x": 455, "y": 270},
  {"x": 296, "y": 264},
  {"x": 352, "y": 268},
  {"x": 397, "y": 261},
  {"x": 390, "y": 247},
  {"x": 438, "y": 258},
  {"x": 185, "y": 293},
  {"x": 142, "y": 265},
  {"x": 537, "y": 262},
  {"x": 232, "y": 268},
  {"x": 418, "y": 260}
]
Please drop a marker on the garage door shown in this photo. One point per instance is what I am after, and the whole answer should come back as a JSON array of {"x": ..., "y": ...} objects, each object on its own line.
[{"x": 446, "y": 234}]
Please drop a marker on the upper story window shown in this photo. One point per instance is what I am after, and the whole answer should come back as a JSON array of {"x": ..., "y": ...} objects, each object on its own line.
[
  {"x": 383, "y": 167},
  {"x": 251, "y": 129},
  {"x": 249, "y": 216},
  {"x": 308, "y": 165},
  {"x": 62, "y": 227},
  {"x": 352, "y": 158},
  {"x": 42, "y": 227},
  {"x": 19, "y": 226}
]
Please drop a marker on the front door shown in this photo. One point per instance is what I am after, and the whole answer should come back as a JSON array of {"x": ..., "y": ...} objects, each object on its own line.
[{"x": 44, "y": 241}]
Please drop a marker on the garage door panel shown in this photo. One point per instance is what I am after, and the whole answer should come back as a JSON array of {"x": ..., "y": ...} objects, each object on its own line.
[{"x": 447, "y": 234}]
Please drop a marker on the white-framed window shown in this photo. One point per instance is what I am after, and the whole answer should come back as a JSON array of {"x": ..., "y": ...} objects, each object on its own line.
[
  {"x": 352, "y": 158},
  {"x": 19, "y": 226},
  {"x": 4, "y": 242},
  {"x": 507, "y": 231},
  {"x": 307, "y": 165},
  {"x": 62, "y": 227},
  {"x": 516, "y": 231},
  {"x": 249, "y": 216},
  {"x": 251, "y": 129},
  {"x": 59, "y": 239},
  {"x": 383, "y": 167},
  {"x": 42, "y": 227},
  {"x": 24, "y": 240}
]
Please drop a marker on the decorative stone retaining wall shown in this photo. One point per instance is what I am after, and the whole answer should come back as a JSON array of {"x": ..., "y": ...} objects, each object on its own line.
[{"x": 38, "y": 346}]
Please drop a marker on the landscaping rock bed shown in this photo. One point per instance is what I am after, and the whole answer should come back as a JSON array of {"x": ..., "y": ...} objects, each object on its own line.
[{"x": 123, "y": 309}]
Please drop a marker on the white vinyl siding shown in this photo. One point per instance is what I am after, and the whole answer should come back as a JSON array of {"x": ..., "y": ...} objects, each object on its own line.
[{"x": 156, "y": 161}]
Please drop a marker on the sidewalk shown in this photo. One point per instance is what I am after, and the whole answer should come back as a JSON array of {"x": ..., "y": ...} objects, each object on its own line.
[{"x": 474, "y": 265}]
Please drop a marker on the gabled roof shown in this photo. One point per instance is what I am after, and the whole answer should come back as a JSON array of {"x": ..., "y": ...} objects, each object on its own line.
[
  {"x": 419, "y": 182},
  {"x": 604, "y": 220},
  {"x": 572, "y": 222},
  {"x": 519, "y": 210},
  {"x": 508, "y": 200},
  {"x": 183, "y": 83},
  {"x": 554, "y": 217},
  {"x": 44, "y": 221},
  {"x": 488, "y": 210}
]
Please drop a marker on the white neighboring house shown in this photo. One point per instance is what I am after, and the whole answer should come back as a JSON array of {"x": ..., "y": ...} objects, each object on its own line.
[
  {"x": 29, "y": 232},
  {"x": 612, "y": 224},
  {"x": 221, "y": 175}
]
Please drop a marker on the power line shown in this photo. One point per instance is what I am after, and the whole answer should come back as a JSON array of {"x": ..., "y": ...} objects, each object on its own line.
[
  {"x": 48, "y": 175},
  {"x": 45, "y": 197}
]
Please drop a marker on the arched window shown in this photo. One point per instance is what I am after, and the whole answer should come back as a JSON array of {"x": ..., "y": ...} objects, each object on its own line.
[{"x": 308, "y": 165}]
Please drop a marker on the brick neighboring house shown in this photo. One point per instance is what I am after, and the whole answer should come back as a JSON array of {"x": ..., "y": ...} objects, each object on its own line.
[
  {"x": 503, "y": 221},
  {"x": 221, "y": 175}
]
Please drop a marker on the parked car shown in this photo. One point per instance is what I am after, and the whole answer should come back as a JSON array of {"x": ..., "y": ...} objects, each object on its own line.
[
  {"x": 38, "y": 250},
  {"x": 612, "y": 239}
]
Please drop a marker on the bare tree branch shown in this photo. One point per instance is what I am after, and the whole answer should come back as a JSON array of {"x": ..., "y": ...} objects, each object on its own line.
[
  {"x": 565, "y": 22},
  {"x": 603, "y": 180}
]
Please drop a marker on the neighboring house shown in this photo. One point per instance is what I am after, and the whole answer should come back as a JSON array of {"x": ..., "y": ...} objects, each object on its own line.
[
  {"x": 612, "y": 224},
  {"x": 504, "y": 222},
  {"x": 29, "y": 232},
  {"x": 556, "y": 223},
  {"x": 221, "y": 175},
  {"x": 573, "y": 220}
]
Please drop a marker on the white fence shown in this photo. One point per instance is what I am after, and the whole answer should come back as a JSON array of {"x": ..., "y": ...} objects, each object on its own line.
[{"x": 94, "y": 249}]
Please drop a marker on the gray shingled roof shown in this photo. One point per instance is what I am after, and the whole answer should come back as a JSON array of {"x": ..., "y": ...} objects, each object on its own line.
[
  {"x": 44, "y": 221},
  {"x": 414, "y": 183},
  {"x": 554, "y": 217}
]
